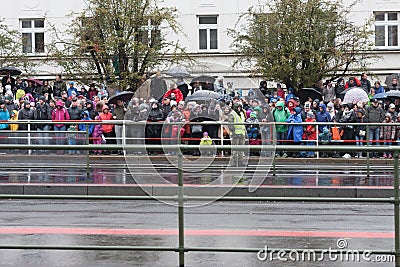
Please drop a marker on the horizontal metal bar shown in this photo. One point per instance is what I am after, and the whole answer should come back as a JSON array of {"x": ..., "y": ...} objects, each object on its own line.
[
  {"x": 61, "y": 247},
  {"x": 199, "y": 198},
  {"x": 196, "y": 147},
  {"x": 188, "y": 249},
  {"x": 288, "y": 250}
]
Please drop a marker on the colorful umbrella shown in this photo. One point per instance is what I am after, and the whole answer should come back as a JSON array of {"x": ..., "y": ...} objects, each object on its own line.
[{"x": 355, "y": 95}]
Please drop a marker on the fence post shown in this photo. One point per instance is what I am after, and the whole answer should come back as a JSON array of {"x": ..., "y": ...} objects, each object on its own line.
[
  {"x": 368, "y": 143},
  {"x": 87, "y": 151},
  {"x": 181, "y": 211},
  {"x": 396, "y": 208},
  {"x": 29, "y": 138}
]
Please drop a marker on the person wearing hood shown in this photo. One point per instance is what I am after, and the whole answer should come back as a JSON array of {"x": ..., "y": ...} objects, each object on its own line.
[
  {"x": 85, "y": 116},
  {"x": 71, "y": 89},
  {"x": 174, "y": 90},
  {"x": 238, "y": 134},
  {"x": 310, "y": 133},
  {"x": 43, "y": 112},
  {"x": 387, "y": 133},
  {"x": 322, "y": 116},
  {"x": 281, "y": 114},
  {"x": 108, "y": 129},
  {"x": 26, "y": 113},
  {"x": 4, "y": 115},
  {"x": 295, "y": 132},
  {"x": 290, "y": 95},
  {"x": 291, "y": 105},
  {"x": 90, "y": 108},
  {"x": 60, "y": 113}
]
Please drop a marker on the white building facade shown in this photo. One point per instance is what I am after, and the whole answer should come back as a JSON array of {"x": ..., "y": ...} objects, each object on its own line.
[{"x": 204, "y": 31}]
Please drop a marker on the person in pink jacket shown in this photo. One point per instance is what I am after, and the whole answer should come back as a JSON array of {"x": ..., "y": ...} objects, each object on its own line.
[{"x": 60, "y": 114}]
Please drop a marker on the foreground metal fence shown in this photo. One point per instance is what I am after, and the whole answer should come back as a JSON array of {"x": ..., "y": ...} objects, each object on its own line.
[{"x": 181, "y": 249}]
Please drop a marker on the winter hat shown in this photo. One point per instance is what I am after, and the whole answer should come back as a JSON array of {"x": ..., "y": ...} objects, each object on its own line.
[
  {"x": 310, "y": 114},
  {"x": 42, "y": 98},
  {"x": 330, "y": 105},
  {"x": 205, "y": 134},
  {"x": 253, "y": 114},
  {"x": 392, "y": 105},
  {"x": 388, "y": 115},
  {"x": 1, "y": 102}
]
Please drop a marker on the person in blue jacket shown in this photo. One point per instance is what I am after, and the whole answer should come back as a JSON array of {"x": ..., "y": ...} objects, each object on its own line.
[
  {"x": 295, "y": 132},
  {"x": 82, "y": 127}
]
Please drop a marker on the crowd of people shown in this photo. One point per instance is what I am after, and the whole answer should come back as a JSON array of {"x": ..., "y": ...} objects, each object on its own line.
[{"x": 157, "y": 101}]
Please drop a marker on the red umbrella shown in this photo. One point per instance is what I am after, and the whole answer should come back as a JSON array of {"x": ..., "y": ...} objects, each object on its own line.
[{"x": 37, "y": 82}]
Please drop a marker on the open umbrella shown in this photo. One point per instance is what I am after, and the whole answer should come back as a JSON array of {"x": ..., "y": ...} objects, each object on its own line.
[
  {"x": 305, "y": 93},
  {"x": 355, "y": 95},
  {"x": 124, "y": 96},
  {"x": 393, "y": 94},
  {"x": 388, "y": 80},
  {"x": 10, "y": 70},
  {"x": 202, "y": 79},
  {"x": 203, "y": 95},
  {"x": 380, "y": 96},
  {"x": 35, "y": 81},
  {"x": 178, "y": 72}
]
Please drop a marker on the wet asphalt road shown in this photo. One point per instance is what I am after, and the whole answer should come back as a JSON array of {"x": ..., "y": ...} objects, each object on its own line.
[{"x": 219, "y": 224}]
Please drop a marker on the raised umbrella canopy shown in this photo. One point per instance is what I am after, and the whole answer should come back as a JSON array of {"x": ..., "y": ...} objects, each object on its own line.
[
  {"x": 355, "y": 95},
  {"x": 123, "y": 96},
  {"x": 203, "y": 95},
  {"x": 177, "y": 71},
  {"x": 305, "y": 93},
  {"x": 8, "y": 70}
]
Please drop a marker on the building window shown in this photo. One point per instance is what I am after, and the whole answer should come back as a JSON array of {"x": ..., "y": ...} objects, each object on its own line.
[
  {"x": 387, "y": 29},
  {"x": 208, "y": 32},
  {"x": 32, "y": 35}
]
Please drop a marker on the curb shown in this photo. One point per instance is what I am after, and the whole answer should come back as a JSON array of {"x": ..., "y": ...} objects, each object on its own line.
[{"x": 210, "y": 191}]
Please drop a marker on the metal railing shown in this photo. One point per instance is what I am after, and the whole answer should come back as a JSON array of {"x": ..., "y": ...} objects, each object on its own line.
[
  {"x": 181, "y": 249},
  {"x": 181, "y": 198}
]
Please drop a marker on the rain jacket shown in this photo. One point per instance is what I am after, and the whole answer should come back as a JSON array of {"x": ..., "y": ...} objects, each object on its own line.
[
  {"x": 295, "y": 130},
  {"x": 322, "y": 117},
  {"x": 281, "y": 116},
  {"x": 4, "y": 116}
]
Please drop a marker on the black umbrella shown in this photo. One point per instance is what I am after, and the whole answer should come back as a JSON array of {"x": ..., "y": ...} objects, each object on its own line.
[
  {"x": 305, "y": 93},
  {"x": 202, "y": 79},
  {"x": 8, "y": 70},
  {"x": 124, "y": 96},
  {"x": 203, "y": 95}
]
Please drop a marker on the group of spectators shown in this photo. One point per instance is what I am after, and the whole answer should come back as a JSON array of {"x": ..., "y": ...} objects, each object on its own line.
[{"x": 154, "y": 101}]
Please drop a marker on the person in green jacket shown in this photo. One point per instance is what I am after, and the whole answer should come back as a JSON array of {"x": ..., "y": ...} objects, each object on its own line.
[{"x": 281, "y": 114}]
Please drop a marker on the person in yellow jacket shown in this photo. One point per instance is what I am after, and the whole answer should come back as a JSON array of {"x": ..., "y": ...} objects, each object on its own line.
[
  {"x": 14, "y": 117},
  {"x": 206, "y": 141},
  {"x": 238, "y": 134}
]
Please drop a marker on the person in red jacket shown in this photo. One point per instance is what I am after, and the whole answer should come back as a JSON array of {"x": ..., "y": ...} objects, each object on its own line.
[
  {"x": 60, "y": 113},
  {"x": 174, "y": 91},
  {"x": 108, "y": 129}
]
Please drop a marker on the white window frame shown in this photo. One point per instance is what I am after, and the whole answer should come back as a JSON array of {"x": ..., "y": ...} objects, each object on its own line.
[
  {"x": 207, "y": 27},
  {"x": 32, "y": 30},
  {"x": 386, "y": 23}
]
